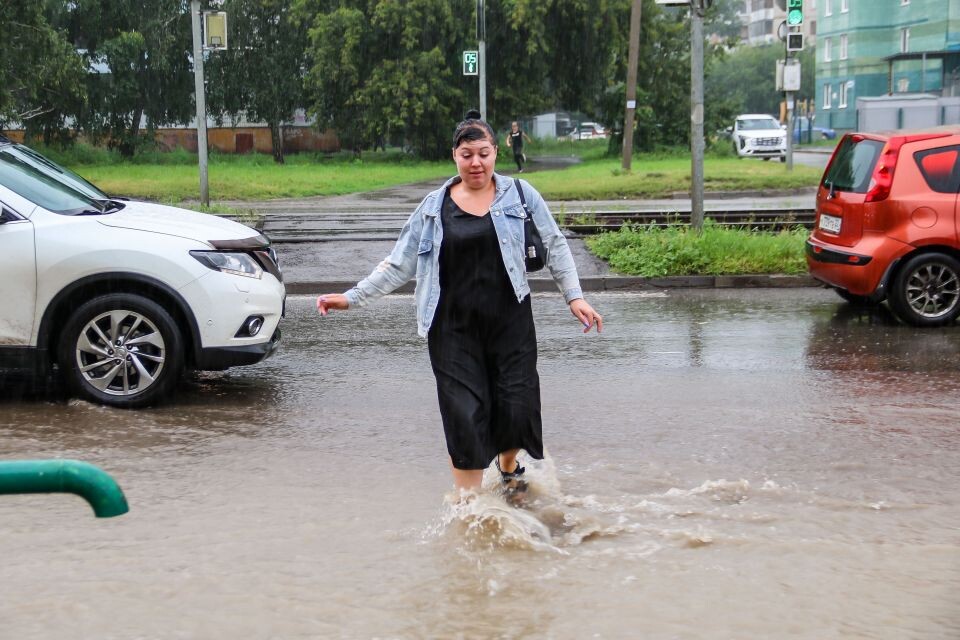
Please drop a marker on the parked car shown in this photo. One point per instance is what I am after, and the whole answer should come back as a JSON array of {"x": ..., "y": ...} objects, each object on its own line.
[
  {"x": 802, "y": 128},
  {"x": 586, "y": 131},
  {"x": 590, "y": 130},
  {"x": 119, "y": 296},
  {"x": 757, "y": 135},
  {"x": 886, "y": 223}
]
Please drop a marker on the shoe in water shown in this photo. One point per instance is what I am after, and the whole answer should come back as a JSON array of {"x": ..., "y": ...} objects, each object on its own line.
[{"x": 513, "y": 482}]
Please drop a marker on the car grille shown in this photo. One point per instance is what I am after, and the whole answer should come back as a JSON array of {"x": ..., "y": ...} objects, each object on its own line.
[{"x": 767, "y": 142}]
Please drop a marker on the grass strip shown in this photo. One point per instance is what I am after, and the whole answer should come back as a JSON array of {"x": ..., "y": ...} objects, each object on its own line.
[
  {"x": 677, "y": 250},
  {"x": 661, "y": 177}
]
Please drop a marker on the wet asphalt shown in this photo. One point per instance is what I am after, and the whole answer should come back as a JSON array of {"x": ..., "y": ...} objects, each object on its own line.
[{"x": 749, "y": 463}]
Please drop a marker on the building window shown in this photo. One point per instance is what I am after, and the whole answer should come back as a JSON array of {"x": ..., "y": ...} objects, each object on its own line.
[
  {"x": 843, "y": 46},
  {"x": 828, "y": 7},
  {"x": 826, "y": 96},
  {"x": 827, "y": 57},
  {"x": 813, "y": 27},
  {"x": 905, "y": 40},
  {"x": 843, "y": 95},
  {"x": 844, "y": 6}
]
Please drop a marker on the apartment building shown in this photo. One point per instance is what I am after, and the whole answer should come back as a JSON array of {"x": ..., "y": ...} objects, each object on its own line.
[{"x": 870, "y": 48}]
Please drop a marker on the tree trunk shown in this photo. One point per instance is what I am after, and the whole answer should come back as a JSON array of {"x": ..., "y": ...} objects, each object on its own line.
[
  {"x": 276, "y": 141},
  {"x": 128, "y": 145}
]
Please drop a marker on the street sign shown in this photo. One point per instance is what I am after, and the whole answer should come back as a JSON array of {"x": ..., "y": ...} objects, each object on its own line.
[
  {"x": 214, "y": 30},
  {"x": 788, "y": 75},
  {"x": 471, "y": 63},
  {"x": 794, "y": 12}
]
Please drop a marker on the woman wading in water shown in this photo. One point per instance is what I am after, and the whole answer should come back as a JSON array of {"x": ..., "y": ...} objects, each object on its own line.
[{"x": 465, "y": 246}]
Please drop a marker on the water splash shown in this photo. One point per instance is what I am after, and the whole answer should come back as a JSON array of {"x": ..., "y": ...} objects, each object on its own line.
[{"x": 543, "y": 519}]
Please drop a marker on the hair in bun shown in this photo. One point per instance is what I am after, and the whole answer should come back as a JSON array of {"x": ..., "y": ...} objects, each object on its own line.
[{"x": 473, "y": 127}]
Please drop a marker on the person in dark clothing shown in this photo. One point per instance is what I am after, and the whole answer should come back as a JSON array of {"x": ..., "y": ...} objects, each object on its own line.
[
  {"x": 464, "y": 245},
  {"x": 515, "y": 142}
]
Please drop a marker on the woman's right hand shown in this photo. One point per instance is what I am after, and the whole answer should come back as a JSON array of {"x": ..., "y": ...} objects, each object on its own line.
[{"x": 329, "y": 301}]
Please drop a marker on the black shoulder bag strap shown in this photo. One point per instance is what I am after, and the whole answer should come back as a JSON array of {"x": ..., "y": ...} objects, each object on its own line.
[{"x": 532, "y": 243}]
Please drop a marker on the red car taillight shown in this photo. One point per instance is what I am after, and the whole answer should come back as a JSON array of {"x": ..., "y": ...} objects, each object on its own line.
[{"x": 882, "y": 178}]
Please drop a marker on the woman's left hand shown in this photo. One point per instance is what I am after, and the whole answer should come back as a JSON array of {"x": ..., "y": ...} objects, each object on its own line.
[{"x": 586, "y": 315}]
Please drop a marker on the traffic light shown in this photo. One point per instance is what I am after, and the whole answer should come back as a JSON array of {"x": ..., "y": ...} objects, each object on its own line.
[
  {"x": 794, "y": 12},
  {"x": 795, "y": 42}
]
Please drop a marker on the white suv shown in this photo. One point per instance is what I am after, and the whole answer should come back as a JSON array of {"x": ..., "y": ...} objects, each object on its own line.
[
  {"x": 121, "y": 296},
  {"x": 758, "y": 136}
]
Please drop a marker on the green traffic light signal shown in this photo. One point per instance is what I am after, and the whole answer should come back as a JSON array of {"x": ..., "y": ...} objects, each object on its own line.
[{"x": 794, "y": 12}]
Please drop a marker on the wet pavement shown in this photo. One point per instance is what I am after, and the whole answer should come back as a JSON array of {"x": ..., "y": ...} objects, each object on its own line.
[{"x": 721, "y": 464}]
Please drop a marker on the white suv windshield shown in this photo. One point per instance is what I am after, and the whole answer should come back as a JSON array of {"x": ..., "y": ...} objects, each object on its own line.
[
  {"x": 757, "y": 124},
  {"x": 42, "y": 182}
]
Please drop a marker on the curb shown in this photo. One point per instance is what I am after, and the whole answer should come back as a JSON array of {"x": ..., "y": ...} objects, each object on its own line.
[
  {"x": 824, "y": 151},
  {"x": 604, "y": 283},
  {"x": 752, "y": 193}
]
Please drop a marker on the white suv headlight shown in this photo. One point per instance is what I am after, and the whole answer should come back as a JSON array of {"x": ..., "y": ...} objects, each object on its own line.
[{"x": 239, "y": 264}]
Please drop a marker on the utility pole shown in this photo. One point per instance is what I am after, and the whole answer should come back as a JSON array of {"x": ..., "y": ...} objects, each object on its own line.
[
  {"x": 631, "y": 83},
  {"x": 195, "y": 15},
  {"x": 790, "y": 77},
  {"x": 482, "y": 36},
  {"x": 696, "y": 114}
]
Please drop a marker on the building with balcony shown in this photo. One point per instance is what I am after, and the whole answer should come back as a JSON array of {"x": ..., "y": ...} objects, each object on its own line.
[
  {"x": 871, "y": 48},
  {"x": 762, "y": 18}
]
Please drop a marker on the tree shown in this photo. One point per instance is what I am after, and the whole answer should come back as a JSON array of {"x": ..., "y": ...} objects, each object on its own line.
[
  {"x": 554, "y": 54},
  {"x": 382, "y": 66},
  {"x": 262, "y": 73},
  {"x": 663, "y": 77},
  {"x": 139, "y": 53},
  {"x": 746, "y": 78},
  {"x": 41, "y": 75}
]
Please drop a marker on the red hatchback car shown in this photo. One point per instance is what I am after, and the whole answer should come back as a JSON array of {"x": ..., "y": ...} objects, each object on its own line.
[{"x": 886, "y": 223}]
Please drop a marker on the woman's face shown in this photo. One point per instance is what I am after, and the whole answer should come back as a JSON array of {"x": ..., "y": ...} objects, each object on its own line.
[
  {"x": 514, "y": 126},
  {"x": 475, "y": 161}
]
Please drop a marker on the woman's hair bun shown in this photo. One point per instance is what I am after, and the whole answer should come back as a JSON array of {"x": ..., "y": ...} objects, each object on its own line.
[{"x": 472, "y": 114}]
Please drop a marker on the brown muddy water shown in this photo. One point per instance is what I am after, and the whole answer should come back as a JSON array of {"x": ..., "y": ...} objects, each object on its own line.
[{"x": 741, "y": 464}]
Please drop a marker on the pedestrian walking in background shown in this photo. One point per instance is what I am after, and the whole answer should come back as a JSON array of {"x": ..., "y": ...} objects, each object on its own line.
[
  {"x": 465, "y": 246},
  {"x": 515, "y": 142}
]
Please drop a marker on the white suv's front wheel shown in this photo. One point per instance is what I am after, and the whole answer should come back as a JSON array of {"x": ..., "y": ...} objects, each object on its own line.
[{"x": 121, "y": 349}]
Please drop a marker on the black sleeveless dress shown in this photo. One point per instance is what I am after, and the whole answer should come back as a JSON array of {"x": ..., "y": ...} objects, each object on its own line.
[{"x": 483, "y": 347}]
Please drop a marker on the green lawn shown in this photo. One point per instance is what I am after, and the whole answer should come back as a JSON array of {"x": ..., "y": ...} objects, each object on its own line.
[
  {"x": 258, "y": 178},
  {"x": 174, "y": 177},
  {"x": 677, "y": 251},
  {"x": 654, "y": 178}
]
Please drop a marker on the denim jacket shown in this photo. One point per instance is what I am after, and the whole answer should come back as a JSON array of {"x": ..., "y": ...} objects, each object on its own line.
[{"x": 417, "y": 251}]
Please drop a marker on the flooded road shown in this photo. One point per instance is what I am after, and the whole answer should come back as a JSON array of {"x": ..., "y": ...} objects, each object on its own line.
[{"x": 721, "y": 464}]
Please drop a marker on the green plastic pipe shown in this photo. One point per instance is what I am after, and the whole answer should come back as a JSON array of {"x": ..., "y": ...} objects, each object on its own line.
[{"x": 65, "y": 476}]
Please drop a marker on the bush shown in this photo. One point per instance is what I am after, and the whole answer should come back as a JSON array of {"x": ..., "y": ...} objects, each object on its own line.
[{"x": 677, "y": 250}]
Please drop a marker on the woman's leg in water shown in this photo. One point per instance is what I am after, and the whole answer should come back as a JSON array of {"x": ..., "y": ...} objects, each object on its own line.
[
  {"x": 508, "y": 461},
  {"x": 471, "y": 479},
  {"x": 466, "y": 479}
]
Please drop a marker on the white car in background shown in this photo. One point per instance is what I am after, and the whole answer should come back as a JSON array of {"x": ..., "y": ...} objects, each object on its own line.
[
  {"x": 591, "y": 130},
  {"x": 757, "y": 135},
  {"x": 120, "y": 296}
]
